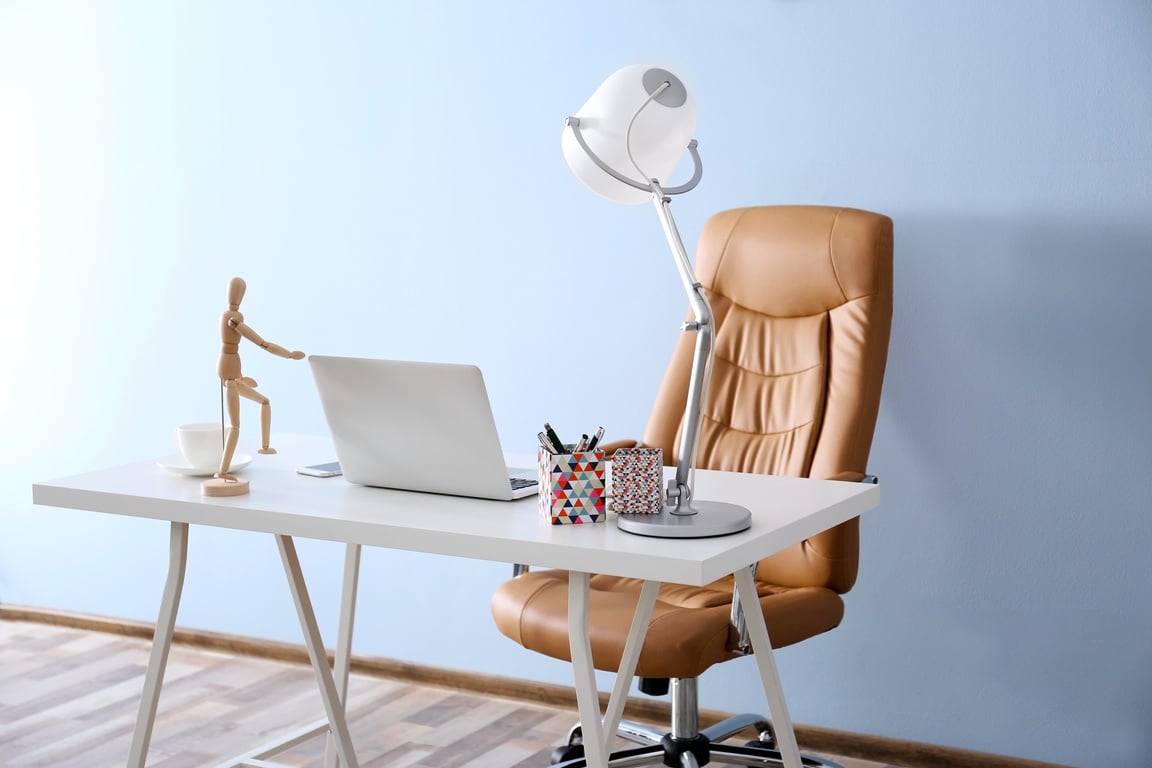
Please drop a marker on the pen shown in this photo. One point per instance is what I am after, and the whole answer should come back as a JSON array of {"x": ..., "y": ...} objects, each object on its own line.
[
  {"x": 595, "y": 439},
  {"x": 545, "y": 443},
  {"x": 554, "y": 438},
  {"x": 582, "y": 445}
]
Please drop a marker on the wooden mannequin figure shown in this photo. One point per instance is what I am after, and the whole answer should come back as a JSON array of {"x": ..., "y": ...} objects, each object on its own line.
[{"x": 236, "y": 385}]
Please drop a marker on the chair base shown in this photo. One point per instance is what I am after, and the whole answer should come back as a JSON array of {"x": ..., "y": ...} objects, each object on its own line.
[
  {"x": 703, "y": 749},
  {"x": 691, "y": 753},
  {"x": 687, "y": 746}
]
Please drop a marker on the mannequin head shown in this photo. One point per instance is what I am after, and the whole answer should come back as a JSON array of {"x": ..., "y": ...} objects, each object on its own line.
[{"x": 236, "y": 288}]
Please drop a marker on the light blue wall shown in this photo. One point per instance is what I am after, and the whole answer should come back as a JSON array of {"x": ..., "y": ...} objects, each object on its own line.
[{"x": 378, "y": 171}]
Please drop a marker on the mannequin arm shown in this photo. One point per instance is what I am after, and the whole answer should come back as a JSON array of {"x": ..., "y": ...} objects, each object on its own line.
[{"x": 247, "y": 332}]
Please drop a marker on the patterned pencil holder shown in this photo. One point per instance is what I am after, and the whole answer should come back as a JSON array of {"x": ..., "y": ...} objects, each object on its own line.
[
  {"x": 637, "y": 481},
  {"x": 571, "y": 487}
]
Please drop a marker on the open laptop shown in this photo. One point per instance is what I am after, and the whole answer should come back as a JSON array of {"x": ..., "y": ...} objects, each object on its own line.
[{"x": 416, "y": 426}]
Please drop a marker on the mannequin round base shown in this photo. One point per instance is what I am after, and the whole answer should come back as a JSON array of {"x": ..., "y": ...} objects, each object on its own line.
[
  {"x": 218, "y": 486},
  {"x": 711, "y": 518}
]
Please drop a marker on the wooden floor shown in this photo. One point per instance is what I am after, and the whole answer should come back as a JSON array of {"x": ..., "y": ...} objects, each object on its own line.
[{"x": 68, "y": 699}]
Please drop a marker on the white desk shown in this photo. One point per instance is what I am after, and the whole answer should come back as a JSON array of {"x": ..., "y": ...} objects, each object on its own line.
[{"x": 287, "y": 505}]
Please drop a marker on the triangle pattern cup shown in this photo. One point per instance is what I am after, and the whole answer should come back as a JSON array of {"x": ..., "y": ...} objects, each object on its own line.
[{"x": 571, "y": 487}]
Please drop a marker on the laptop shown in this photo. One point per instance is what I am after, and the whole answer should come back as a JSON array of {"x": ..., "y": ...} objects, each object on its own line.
[{"x": 416, "y": 426}]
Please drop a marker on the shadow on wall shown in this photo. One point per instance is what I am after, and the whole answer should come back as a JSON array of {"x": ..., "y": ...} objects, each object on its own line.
[
  {"x": 1037, "y": 328},
  {"x": 1020, "y": 379}
]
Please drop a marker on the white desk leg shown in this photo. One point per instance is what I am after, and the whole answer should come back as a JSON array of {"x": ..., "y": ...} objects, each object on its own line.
[
  {"x": 161, "y": 644},
  {"x": 628, "y": 660},
  {"x": 328, "y": 693},
  {"x": 769, "y": 675},
  {"x": 587, "y": 697},
  {"x": 598, "y": 733},
  {"x": 344, "y": 640}
]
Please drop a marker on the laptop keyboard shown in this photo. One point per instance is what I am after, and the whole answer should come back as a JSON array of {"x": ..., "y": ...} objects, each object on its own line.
[{"x": 521, "y": 482}]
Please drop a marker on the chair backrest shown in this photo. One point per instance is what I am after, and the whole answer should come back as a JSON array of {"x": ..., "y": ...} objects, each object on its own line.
[{"x": 802, "y": 300}]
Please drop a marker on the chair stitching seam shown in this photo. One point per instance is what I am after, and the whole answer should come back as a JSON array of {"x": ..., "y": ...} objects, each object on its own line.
[
  {"x": 831, "y": 260},
  {"x": 808, "y": 423},
  {"x": 828, "y": 311},
  {"x": 763, "y": 375},
  {"x": 724, "y": 248}
]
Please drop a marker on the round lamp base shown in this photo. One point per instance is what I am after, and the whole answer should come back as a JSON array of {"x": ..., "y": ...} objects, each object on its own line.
[
  {"x": 218, "y": 486},
  {"x": 711, "y": 518}
]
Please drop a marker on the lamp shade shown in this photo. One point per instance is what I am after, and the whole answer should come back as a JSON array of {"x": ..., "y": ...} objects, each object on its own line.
[{"x": 638, "y": 136}]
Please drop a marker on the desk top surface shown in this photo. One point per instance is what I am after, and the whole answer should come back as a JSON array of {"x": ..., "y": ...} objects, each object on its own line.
[{"x": 785, "y": 510}]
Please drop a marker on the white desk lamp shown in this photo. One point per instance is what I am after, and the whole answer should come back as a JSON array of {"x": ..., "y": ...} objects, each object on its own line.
[{"x": 639, "y": 121}]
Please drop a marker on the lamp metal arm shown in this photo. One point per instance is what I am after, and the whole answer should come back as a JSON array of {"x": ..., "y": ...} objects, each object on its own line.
[
  {"x": 680, "y": 489},
  {"x": 697, "y": 172}
]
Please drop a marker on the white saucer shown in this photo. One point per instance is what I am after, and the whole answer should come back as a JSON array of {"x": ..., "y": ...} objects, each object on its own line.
[{"x": 180, "y": 466}]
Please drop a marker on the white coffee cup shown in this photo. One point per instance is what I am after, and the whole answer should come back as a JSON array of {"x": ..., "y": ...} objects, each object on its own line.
[{"x": 202, "y": 445}]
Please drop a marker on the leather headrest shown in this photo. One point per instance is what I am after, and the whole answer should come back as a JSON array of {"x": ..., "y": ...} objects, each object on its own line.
[{"x": 798, "y": 276}]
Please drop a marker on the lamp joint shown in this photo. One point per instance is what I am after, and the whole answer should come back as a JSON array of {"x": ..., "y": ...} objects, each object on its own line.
[{"x": 678, "y": 495}]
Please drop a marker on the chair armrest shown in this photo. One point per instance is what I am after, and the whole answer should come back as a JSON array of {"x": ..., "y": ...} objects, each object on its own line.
[
  {"x": 855, "y": 477},
  {"x": 738, "y": 621},
  {"x": 612, "y": 446}
]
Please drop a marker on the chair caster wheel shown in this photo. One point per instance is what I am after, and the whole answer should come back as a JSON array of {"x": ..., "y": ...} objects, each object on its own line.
[
  {"x": 564, "y": 754},
  {"x": 761, "y": 744},
  {"x": 765, "y": 737},
  {"x": 573, "y": 750}
]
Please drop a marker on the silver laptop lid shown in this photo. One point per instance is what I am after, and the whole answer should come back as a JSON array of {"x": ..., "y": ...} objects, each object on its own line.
[{"x": 413, "y": 426}]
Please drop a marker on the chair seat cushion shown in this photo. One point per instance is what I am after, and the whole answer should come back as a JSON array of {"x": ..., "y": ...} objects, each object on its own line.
[{"x": 689, "y": 630}]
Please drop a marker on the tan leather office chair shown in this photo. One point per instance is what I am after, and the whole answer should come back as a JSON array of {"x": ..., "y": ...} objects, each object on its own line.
[{"x": 802, "y": 298}]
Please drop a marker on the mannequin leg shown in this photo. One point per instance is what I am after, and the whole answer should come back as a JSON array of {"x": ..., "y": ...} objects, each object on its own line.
[
  {"x": 265, "y": 426},
  {"x": 224, "y": 483},
  {"x": 232, "y": 431},
  {"x": 247, "y": 391}
]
